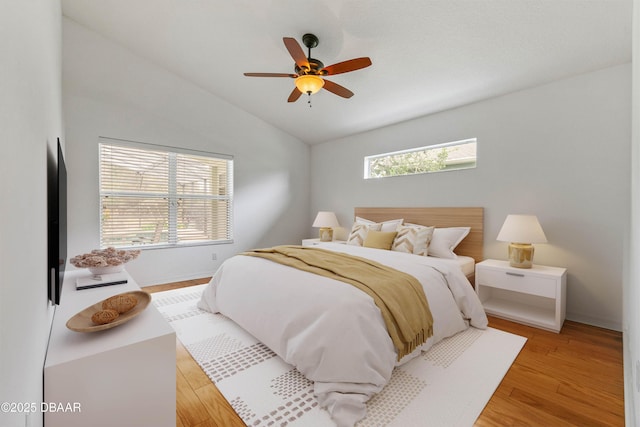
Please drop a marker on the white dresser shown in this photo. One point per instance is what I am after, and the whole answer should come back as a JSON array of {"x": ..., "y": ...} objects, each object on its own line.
[{"x": 124, "y": 376}]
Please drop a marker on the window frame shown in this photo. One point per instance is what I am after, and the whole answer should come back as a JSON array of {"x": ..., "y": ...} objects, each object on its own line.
[
  {"x": 473, "y": 164},
  {"x": 172, "y": 196}
]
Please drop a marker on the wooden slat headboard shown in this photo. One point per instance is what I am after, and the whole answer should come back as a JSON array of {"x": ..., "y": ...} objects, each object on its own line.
[{"x": 471, "y": 246}]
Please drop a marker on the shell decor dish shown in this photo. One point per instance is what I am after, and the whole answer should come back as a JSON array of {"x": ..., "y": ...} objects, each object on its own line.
[
  {"x": 104, "y": 261},
  {"x": 81, "y": 322},
  {"x": 97, "y": 271}
]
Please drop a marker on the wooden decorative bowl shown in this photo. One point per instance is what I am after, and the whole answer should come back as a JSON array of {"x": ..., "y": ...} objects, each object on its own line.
[{"x": 81, "y": 322}]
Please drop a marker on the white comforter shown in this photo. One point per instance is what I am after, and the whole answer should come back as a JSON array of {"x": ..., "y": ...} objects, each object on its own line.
[{"x": 330, "y": 331}]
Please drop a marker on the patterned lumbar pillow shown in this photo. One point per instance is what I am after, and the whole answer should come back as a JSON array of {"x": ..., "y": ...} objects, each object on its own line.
[
  {"x": 413, "y": 239},
  {"x": 359, "y": 233}
]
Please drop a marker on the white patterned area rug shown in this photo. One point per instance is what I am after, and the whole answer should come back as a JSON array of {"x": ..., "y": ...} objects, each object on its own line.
[{"x": 447, "y": 386}]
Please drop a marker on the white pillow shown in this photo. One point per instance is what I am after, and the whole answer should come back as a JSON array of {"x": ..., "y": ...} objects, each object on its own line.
[
  {"x": 359, "y": 233},
  {"x": 445, "y": 240},
  {"x": 390, "y": 225},
  {"x": 413, "y": 239}
]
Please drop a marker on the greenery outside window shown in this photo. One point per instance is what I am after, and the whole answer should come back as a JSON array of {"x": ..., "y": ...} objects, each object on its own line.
[
  {"x": 156, "y": 196},
  {"x": 434, "y": 158}
]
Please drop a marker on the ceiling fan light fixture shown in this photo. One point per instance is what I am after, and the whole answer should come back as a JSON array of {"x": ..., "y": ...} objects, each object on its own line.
[
  {"x": 308, "y": 71},
  {"x": 309, "y": 83}
]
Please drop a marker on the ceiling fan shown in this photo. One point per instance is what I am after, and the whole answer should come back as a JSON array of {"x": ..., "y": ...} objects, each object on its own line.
[{"x": 309, "y": 72}]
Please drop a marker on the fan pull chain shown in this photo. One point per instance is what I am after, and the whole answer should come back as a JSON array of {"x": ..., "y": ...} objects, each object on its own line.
[{"x": 309, "y": 101}]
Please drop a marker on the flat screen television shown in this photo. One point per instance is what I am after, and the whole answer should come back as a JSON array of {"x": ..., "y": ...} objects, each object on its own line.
[{"x": 57, "y": 222}]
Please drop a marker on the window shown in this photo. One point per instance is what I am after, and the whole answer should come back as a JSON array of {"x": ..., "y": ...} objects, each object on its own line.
[
  {"x": 434, "y": 158},
  {"x": 158, "y": 196}
]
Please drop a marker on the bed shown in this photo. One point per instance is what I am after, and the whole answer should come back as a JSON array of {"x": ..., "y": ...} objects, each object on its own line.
[{"x": 334, "y": 333}]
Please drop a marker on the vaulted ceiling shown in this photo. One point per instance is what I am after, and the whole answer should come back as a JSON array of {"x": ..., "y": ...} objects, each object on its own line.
[{"x": 428, "y": 55}]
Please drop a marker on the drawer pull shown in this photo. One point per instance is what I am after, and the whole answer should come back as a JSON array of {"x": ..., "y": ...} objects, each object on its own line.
[{"x": 515, "y": 274}]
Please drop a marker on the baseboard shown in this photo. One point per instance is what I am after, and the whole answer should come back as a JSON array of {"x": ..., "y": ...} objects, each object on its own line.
[{"x": 594, "y": 321}]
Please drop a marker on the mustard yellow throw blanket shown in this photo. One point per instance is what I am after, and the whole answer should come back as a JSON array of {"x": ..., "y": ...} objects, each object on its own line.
[{"x": 398, "y": 295}]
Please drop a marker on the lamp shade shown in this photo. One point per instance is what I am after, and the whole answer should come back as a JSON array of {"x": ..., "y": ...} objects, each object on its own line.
[
  {"x": 309, "y": 83},
  {"x": 326, "y": 219},
  {"x": 521, "y": 229}
]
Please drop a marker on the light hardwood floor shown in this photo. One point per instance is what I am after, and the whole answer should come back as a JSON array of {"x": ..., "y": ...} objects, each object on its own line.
[{"x": 574, "y": 378}]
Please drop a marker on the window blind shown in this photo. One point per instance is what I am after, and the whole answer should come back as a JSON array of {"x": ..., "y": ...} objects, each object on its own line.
[{"x": 158, "y": 196}]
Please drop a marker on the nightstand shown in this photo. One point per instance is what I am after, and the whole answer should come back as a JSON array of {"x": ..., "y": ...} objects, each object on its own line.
[
  {"x": 534, "y": 296},
  {"x": 316, "y": 241}
]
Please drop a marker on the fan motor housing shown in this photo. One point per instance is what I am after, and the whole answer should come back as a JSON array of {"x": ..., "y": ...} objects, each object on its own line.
[{"x": 315, "y": 66}]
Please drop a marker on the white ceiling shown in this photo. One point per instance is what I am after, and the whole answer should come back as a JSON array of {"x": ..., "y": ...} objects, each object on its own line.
[{"x": 427, "y": 55}]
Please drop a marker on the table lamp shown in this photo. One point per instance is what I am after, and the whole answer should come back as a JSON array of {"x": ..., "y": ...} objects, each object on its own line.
[
  {"x": 326, "y": 221},
  {"x": 521, "y": 231}
]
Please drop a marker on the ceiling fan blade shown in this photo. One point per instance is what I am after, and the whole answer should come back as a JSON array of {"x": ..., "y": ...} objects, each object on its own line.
[
  {"x": 295, "y": 94},
  {"x": 296, "y": 52},
  {"x": 346, "y": 66},
  {"x": 337, "y": 89},
  {"x": 270, "y": 75}
]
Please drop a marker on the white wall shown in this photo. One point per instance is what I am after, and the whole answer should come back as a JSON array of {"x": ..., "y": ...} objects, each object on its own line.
[
  {"x": 559, "y": 151},
  {"x": 30, "y": 118},
  {"x": 631, "y": 319},
  {"x": 108, "y": 91}
]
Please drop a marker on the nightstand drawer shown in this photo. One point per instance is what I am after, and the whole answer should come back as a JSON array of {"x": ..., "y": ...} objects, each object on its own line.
[{"x": 519, "y": 282}]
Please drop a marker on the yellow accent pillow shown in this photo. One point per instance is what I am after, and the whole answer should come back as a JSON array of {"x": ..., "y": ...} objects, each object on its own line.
[{"x": 379, "y": 239}]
